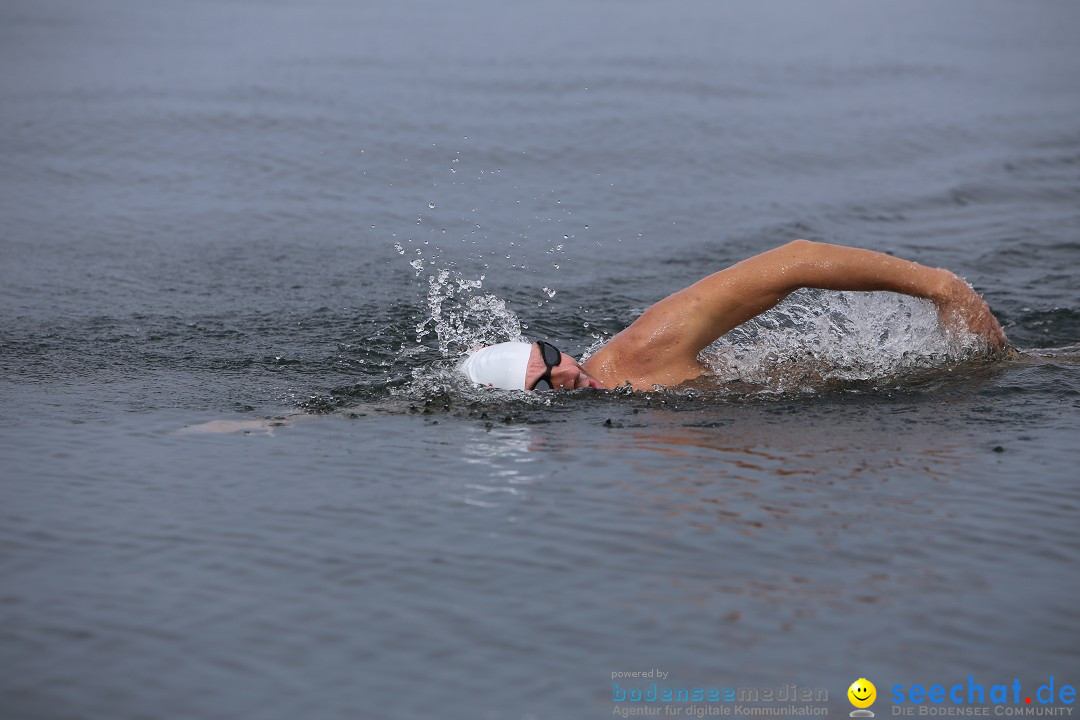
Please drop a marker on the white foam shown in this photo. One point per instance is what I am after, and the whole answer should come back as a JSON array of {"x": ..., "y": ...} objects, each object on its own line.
[{"x": 816, "y": 336}]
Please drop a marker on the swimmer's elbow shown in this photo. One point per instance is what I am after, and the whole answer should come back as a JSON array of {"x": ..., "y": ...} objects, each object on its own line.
[
  {"x": 800, "y": 245},
  {"x": 790, "y": 267},
  {"x": 804, "y": 250}
]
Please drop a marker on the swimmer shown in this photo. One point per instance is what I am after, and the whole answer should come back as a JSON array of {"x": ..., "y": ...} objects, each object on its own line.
[{"x": 661, "y": 347}]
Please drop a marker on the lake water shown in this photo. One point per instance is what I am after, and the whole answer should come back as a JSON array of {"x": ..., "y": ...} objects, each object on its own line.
[{"x": 243, "y": 244}]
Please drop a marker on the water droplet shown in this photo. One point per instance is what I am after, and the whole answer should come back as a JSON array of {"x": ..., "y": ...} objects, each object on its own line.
[
  {"x": 586, "y": 227},
  {"x": 431, "y": 206},
  {"x": 556, "y": 265},
  {"x": 565, "y": 237},
  {"x": 400, "y": 250},
  {"x": 585, "y": 324},
  {"x": 550, "y": 292}
]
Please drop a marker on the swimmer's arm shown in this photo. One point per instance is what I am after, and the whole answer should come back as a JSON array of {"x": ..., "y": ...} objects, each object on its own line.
[{"x": 678, "y": 327}]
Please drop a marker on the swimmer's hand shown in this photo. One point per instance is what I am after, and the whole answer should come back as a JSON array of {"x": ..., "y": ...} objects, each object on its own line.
[{"x": 960, "y": 307}]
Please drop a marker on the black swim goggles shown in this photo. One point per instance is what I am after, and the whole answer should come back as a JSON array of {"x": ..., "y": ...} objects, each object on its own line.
[{"x": 552, "y": 357}]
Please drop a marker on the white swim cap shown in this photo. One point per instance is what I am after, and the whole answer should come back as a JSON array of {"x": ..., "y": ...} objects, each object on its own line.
[{"x": 502, "y": 366}]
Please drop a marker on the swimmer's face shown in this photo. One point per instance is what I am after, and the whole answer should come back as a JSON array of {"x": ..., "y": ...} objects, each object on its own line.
[{"x": 567, "y": 375}]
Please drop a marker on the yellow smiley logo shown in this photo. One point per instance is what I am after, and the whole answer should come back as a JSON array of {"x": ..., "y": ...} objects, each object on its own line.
[{"x": 862, "y": 693}]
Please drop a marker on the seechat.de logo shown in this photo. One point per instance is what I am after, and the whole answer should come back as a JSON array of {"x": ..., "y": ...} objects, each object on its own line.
[{"x": 1002, "y": 695}]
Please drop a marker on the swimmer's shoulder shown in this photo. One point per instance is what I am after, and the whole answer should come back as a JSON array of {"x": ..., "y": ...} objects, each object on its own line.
[{"x": 622, "y": 361}]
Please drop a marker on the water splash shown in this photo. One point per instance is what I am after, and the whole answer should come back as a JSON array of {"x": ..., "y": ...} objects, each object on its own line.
[
  {"x": 461, "y": 319},
  {"x": 816, "y": 337}
]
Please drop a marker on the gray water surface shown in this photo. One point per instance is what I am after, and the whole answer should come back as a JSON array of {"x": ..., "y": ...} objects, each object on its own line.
[{"x": 236, "y": 484}]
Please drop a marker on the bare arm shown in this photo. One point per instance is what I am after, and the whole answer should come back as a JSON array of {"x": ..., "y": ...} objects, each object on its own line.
[{"x": 666, "y": 339}]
